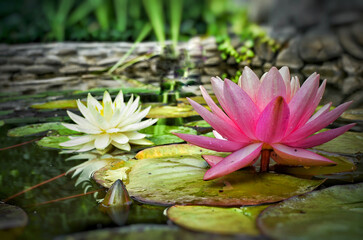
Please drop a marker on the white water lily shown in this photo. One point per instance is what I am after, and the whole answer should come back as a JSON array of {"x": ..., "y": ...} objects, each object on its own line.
[{"x": 108, "y": 124}]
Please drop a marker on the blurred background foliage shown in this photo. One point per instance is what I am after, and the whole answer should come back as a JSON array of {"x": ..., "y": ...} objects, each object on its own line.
[{"x": 122, "y": 20}]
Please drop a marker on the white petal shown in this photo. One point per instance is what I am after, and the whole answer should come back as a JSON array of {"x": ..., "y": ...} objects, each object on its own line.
[
  {"x": 101, "y": 121},
  {"x": 119, "y": 138},
  {"x": 77, "y": 128},
  {"x": 84, "y": 123},
  {"x": 141, "y": 142},
  {"x": 138, "y": 126},
  {"x": 217, "y": 135},
  {"x": 92, "y": 102},
  {"x": 134, "y": 135},
  {"x": 102, "y": 141},
  {"x": 119, "y": 100},
  {"x": 78, "y": 141},
  {"x": 107, "y": 106},
  {"x": 136, "y": 117},
  {"x": 85, "y": 112},
  {"x": 125, "y": 146},
  {"x": 86, "y": 147}
]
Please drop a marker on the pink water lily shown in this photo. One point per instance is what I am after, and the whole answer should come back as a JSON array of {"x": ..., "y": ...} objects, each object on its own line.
[{"x": 267, "y": 117}]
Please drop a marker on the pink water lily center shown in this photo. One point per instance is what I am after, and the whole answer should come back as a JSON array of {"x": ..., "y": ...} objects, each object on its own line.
[{"x": 272, "y": 117}]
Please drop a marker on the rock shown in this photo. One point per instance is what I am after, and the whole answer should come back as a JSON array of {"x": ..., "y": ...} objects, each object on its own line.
[
  {"x": 194, "y": 72},
  {"x": 351, "y": 84},
  {"x": 357, "y": 99},
  {"x": 195, "y": 53},
  {"x": 73, "y": 69},
  {"x": 141, "y": 66},
  {"x": 349, "y": 44},
  {"x": 329, "y": 69},
  {"x": 10, "y": 68},
  {"x": 3, "y": 60},
  {"x": 357, "y": 31},
  {"x": 39, "y": 69},
  {"x": 290, "y": 56},
  {"x": 93, "y": 53},
  {"x": 309, "y": 69},
  {"x": 344, "y": 17},
  {"x": 213, "y": 61},
  {"x": 49, "y": 60},
  {"x": 213, "y": 71},
  {"x": 97, "y": 69},
  {"x": 351, "y": 65},
  {"x": 333, "y": 95},
  {"x": 35, "y": 53},
  {"x": 256, "y": 62},
  {"x": 4, "y": 77},
  {"x": 267, "y": 66},
  {"x": 210, "y": 45},
  {"x": 319, "y": 47},
  {"x": 282, "y": 35},
  {"x": 231, "y": 60},
  {"x": 20, "y": 60},
  {"x": 244, "y": 63},
  {"x": 264, "y": 51},
  {"x": 65, "y": 51},
  {"x": 108, "y": 61},
  {"x": 24, "y": 76}
]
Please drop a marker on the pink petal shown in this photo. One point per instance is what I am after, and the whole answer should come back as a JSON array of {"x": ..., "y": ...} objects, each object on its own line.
[
  {"x": 302, "y": 100},
  {"x": 285, "y": 74},
  {"x": 234, "y": 161},
  {"x": 273, "y": 121},
  {"x": 211, "y": 143},
  {"x": 249, "y": 82},
  {"x": 317, "y": 124},
  {"x": 298, "y": 156},
  {"x": 241, "y": 109},
  {"x": 311, "y": 108},
  {"x": 321, "y": 111},
  {"x": 272, "y": 86},
  {"x": 212, "y": 160},
  {"x": 217, "y": 85},
  {"x": 227, "y": 130},
  {"x": 322, "y": 137},
  {"x": 213, "y": 106}
]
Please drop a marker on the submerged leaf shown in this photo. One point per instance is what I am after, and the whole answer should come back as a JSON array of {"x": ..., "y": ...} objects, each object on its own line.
[
  {"x": 216, "y": 219},
  {"x": 53, "y": 142},
  {"x": 12, "y": 217},
  {"x": 331, "y": 213},
  {"x": 162, "y": 134},
  {"x": 169, "y": 181}
]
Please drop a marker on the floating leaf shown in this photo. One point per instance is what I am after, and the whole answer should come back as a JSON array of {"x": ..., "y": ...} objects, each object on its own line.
[
  {"x": 347, "y": 143},
  {"x": 58, "y": 104},
  {"x": 344, "y": 164},
  {"x": 216, "y": 219},
  {"x": 172, "y": 111},
  {"x": 169, "y": 181},
  {"x": 32, "y": 129},
  {"x": 331, "y": 213},
  {"x": 12, "y": 217},
  {"x": 200, "y": 123},
  {"x": 198, "y": 99},
  {"x": 162, "y": 134},
  {"x": 175, "y": 150},
  {"x": 53, "y": 142},
  {"x": 353, "y": 115}
]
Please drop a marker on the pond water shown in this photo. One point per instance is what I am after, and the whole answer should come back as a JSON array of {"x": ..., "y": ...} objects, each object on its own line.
[{"x": 27, "y": 165}]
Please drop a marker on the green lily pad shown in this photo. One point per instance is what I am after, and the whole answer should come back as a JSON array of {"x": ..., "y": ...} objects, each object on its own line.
[
  {"x": 344, "y": 164},
  {"x": 162, "y": 134},
  {"x": 347, "y": 143},
  {"x": 331, "y": 213},
  {"x": 53, "y": 142},
  {"x": 142, "y": 231},
  {"x": 58, "y": 104},
  {"x": 176, "y": 150},
  {"x": 12, "y": 217},
  {"x": 200, "y": 123},
  {"x": 216, "y": 219},
  {"x": 55, "y": 127},
  {"x": 353, "y": 115},
  {"x": 172, "y": 112},
  {"x": 179, "y": 180}
]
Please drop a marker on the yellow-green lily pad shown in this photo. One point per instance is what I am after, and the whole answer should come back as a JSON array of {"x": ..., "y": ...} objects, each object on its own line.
[
  {"x": 179, "y": 180},
  {"x": 198, "y": 99},
  {"x": 176, "y": 150},
  {"x": 347, "y": 143},
  {"x": 58, "y": 104},
  {"x": 241, "y": 221},
  {"x": 53, "y": 142},
  {"x": 54, "y": 127},
  {"x": 172, "y": 112},
  {"x": 331, "y": 213}
]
